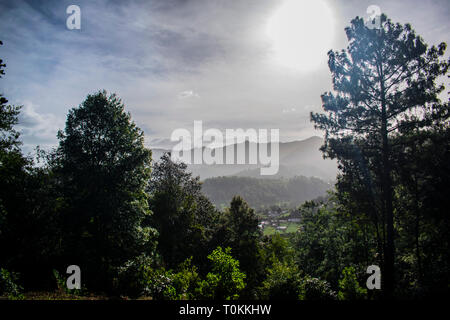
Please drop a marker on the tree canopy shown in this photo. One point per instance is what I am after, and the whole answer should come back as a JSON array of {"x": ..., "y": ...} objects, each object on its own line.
[
  {"x": 103, "y": 170},
  {"x": 384, "y": 86}
]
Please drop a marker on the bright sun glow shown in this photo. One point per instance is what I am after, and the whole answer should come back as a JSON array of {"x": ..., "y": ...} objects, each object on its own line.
[{"x": 302, "y": 32}]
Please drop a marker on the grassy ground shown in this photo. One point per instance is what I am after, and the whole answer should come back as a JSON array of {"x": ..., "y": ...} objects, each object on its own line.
[
  {"x": 268, "y": 231},
  {"x": 291, "y": 228},
  {"x": 58, "y": 295}
]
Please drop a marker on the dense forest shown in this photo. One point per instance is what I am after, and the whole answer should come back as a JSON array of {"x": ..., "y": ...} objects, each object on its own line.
[
  {"x": 264, "y": 192},
  {"x": 138, "y": 228}
]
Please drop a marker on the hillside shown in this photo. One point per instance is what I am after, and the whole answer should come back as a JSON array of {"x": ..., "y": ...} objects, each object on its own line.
[
  {"x": 297, "y": 158},
  {"x": 264, "y": 192}
]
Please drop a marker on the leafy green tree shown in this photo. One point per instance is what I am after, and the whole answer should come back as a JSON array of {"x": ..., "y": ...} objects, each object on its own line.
[
  {"x": 12, "y": 163},
  {"x": 384, "y": 85},
  {"x": 282, "y": 281},
  {"x": 330, "y": 240},
  {"x": 12, "y": 167},
  {"x": 186, "y": 280},
  {"x": 315, "y": 289},
  {"x": 277, "y": 248},
  {"x": 422, "y": 174},
  {"x": 134, "y": 277},
  {"x": 239, "y": 230},
  {"x": 225, "y": 281},
  {"x": 184, "y": 217},
  {"x": 103, "y": 169},
  {"x": 33, "y": 229},
  {"x": 8, "y": 118},
  {"x": 349, "y": 288},
  {"x": 27, "y": 229}
]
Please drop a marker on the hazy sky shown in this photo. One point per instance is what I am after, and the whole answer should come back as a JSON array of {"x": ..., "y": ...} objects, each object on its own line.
[{"x": 230, "y": 63}]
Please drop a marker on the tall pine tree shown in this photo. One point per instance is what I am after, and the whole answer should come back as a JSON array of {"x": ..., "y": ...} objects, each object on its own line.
[{"x": 384, "y": 84}]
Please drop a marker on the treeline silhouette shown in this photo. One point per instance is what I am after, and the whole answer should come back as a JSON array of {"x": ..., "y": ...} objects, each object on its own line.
[{"x": 138, "y": 228}]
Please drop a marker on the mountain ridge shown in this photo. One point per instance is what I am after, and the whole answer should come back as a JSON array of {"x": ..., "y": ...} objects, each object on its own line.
[{"x": 296, "y": 158}]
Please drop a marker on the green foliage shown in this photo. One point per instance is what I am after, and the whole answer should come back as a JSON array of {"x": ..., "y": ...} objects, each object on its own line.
[
  {"x": 282, "y": 282},
  {"x": 349, "y": 288},
  {"x": 28, "y": 238},
  {"x": 329, "y": 241},
  {"x": 239, "y": 230},
  {"x": 134, "y": 276},
  {"x": 92, "y": 200},
  {"x": 104, "y": 169},
  {"x": 422, "y": 174},
  {"x": 385, "y": 86},
  {"x": 13, "y": 165},
  {"x": 9, "y": 286},
  {"x": 183, "y": 216},
  {"x": 260, "y": 192},
  {"x": 2, "y": 65},
  {"x": 180, "y": 285},
  {"x": 60, "y": 281},
  {"x": 285, "y": 281},
  {"x": 9, "y": 137},
  {"x": 186, "y": 281},
  {"x": 281, "y": 273},
  {"x": 160, "y": 285},
  {"x": 61, "y": 285},
  {"x": 138, "y": 278},
  {"x": 315, "y": 289},
  {"x": 277, "y": 248},
  {"x": 225, "y": 281}
]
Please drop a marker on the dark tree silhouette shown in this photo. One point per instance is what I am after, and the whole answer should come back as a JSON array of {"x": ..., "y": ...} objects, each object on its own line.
[
  {"x": 104, "y": 169},
  {"x": 184, "y": 217},
  {"x": 384, "y": 84}
]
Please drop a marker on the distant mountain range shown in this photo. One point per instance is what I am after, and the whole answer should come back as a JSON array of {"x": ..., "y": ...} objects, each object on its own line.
[{"x": 296, "y": 158}]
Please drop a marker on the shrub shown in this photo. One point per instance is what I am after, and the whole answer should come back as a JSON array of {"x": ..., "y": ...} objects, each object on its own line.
[
  {"x": 186, "y": 281},
  {"x": 9, "y": 286},
  {"x": 282, "y": 282},
  {"x": 349, "y": 288},
  {"x": 225, "y": 281},
  {"x": 61, "y": 285},
  {"x": 315, "y": 289},
  {"x": 137, "y": 278},
  {"x": 161, "y": 285},
  {"x": 134, "y": 277}
]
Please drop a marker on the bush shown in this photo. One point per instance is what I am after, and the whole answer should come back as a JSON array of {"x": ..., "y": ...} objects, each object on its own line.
[
  {"x": 226, "y": 281},
  {"x": 62, "y": 285},
  {"x": 285, "y": 281},
  {"x": 161, "y": 285},
  {"x": 282, "y": 282},
  {"x": 180, "y": 285},
  {"x": 186, "y": 281},
  {"x": 349, "y": 288},
  {"x": 315, "y": 289},
  {"x": 9, "y": 286},
  {"x": 134, "y": 278},
  {"x": 138, "y": 278}
]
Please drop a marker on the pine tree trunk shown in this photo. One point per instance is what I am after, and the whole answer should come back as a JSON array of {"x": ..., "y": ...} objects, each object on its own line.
[{"x": 388, "y": 207}]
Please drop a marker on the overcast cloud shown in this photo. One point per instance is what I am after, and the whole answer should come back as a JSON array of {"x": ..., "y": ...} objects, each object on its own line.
[{"x": 173, "y": 62}]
